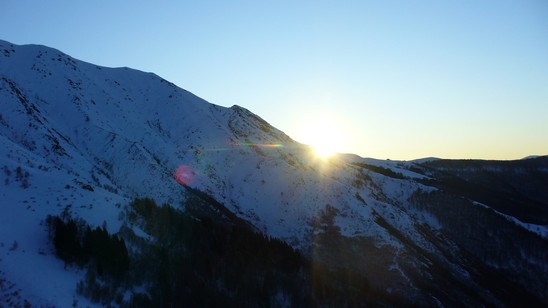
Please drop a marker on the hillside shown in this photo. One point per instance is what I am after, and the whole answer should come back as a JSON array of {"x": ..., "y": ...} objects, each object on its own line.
[{"x": 83, "y": 141}]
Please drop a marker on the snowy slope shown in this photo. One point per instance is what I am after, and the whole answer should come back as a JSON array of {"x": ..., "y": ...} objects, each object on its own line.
[
  {"x": 87, "y": 139},
  {"x": 122, "y": 129}
]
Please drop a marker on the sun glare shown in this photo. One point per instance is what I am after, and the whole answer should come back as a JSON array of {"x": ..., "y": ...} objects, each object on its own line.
[
  {"x": 323, "y": 136},
  {"x": 323, "y": 150}
]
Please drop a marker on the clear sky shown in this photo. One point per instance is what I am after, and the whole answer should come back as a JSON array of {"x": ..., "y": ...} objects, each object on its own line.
[{"x": 383, "y": 79}]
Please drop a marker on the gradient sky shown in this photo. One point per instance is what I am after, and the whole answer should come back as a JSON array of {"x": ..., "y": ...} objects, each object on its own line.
[{"x": 383, "y": 79}]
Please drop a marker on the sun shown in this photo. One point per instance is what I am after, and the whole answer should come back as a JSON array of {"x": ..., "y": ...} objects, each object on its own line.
[
  {"x": 323, "y": 150},
  {"x": 323, "y": 136}
]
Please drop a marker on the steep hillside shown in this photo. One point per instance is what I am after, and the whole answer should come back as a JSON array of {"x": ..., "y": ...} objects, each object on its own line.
[{"x": 82, "y": 140}]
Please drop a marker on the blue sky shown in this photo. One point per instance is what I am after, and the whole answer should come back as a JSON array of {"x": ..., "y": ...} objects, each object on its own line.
[{"x": 384, "y": 79}]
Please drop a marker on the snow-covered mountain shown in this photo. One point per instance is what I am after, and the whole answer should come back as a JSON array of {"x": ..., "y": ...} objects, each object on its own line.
[{"x": 86, "y": 140}]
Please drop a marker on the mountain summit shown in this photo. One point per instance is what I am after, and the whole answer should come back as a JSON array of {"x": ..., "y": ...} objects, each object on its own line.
[{"x": 83, "y": 141}]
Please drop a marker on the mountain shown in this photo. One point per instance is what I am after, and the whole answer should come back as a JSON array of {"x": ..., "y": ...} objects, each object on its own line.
[{"x": 81, "y": 141}]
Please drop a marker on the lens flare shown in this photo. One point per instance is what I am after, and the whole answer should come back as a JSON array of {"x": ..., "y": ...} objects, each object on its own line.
[
  {"x": 262, "y": 145},
  {"x": 183, "y": 175}
]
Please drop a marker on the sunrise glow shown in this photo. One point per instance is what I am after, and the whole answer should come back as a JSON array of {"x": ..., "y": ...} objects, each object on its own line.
[{"x": 323, "y": 135}]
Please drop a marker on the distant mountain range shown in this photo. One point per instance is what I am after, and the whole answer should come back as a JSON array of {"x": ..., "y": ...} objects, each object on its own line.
[{"x": 81, "y": 141}]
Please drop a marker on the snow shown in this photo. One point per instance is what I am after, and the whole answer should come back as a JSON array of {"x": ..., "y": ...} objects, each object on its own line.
[
  {"x": 125, "y": 133},
  {"x": 25, "y": 254},
  {"x": 541, "y": 230}
]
